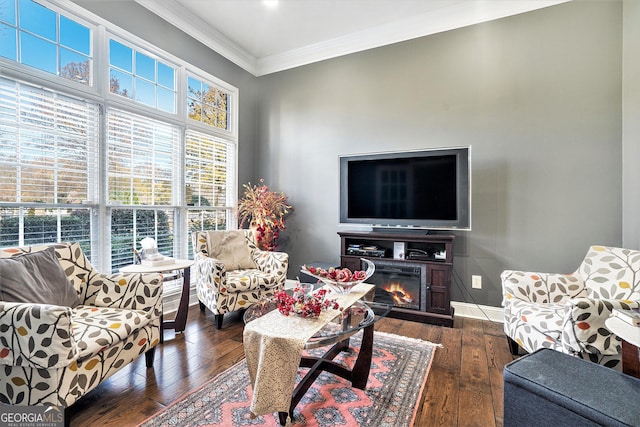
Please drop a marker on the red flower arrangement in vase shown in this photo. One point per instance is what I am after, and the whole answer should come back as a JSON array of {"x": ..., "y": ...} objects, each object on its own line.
[
  {"x": 265, "y": 210},
  {"x": 304, "y": 304},
  {"x": 342, "y": 280}
]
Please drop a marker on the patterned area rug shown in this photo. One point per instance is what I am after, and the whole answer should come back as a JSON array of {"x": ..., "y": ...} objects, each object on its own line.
[{"x": 398, "y": 374}]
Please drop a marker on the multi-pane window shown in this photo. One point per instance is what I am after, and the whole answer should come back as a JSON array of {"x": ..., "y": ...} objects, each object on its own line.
[
  {"x": 107, "y": 174},
  {"x": 140, "y": 77},
  {"x": 141, "y": 171},
  {"x": 130, "y": 225},
  {"x": 34, "y": 35},
  {"x": 209, "y": 181},
  {"x": 207, "y": 104},
  {"x": 48, "y": 165}
]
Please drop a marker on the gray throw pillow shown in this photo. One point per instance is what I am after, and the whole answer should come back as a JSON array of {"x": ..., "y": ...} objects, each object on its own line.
[
  {"x": 36, "y": 277},
  {"x": 230, "y": 247}
]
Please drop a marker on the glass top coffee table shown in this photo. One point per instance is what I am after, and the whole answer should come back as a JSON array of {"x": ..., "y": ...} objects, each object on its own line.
[{"x": 361, "y": 316}]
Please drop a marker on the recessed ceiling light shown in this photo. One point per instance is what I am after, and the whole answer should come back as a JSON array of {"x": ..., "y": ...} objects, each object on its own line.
[{"x": 270, "y": 3}]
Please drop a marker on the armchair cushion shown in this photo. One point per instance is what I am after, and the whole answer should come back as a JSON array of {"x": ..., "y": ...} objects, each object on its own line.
[
  {"x": 247, "y": 280},
  {"x": 231, "y": 249},
  {"x": 534, "y": 325},
  {"x": 98, "y": 328},
  {"x": 36, "y": 277}
]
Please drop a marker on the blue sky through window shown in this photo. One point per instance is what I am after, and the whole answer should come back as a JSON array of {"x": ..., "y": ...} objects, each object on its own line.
[
  {"x": 140, "y": 77},
  {"x": 38, "y": 53},
  {"x": 8, "y": 42},
  {"x": 120, "y": 56},
  {"x": 8, "y": 12},
  {"x": 39, "y": 37},
  {"x": 75, "y": 36},
  {"x": 37, "y": 19},
  {"x": 29, "y": 34}
]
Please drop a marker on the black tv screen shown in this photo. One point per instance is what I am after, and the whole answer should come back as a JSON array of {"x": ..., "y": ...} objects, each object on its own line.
[{"x": 424, "y": 189}]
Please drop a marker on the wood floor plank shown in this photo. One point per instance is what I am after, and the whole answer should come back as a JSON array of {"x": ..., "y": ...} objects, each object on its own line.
[
  {"x": 497, "y": 394},
  {"x": 448, "y": 355},
  {"x": 475, "y": 409},
  {"x": 495, "y": 347},
  {"x": 464, "y": 386},
  {"x": 474, "y": 370},
  {"x": 493, "y": 328},
  {"x": 439, "y": 406},
  {"x": 390, "y": 325}
]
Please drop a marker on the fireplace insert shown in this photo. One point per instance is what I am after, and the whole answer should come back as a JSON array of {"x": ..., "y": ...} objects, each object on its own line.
[{"x": 404, "y": 282}]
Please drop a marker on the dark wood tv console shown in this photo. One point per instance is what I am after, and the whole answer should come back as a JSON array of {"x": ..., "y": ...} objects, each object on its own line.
[{"x": 433, "y": 251}]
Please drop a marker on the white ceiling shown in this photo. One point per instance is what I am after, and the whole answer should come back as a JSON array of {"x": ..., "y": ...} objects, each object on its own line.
[{"x": 263, "y": 39}]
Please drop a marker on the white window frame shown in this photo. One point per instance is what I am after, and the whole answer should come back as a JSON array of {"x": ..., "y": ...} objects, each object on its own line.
[{"x": 98, "y": 92}]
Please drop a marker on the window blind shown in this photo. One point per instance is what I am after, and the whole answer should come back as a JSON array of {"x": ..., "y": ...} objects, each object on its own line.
[
  {"x": 48, "y": 164},
  {"x": 142, "y": 157},
  {"x": 210, "y": 175},
  {"x": 209, "y": 170}
]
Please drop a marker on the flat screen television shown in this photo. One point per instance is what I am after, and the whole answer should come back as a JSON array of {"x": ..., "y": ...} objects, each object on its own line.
[{"x": 429, "y": 189}]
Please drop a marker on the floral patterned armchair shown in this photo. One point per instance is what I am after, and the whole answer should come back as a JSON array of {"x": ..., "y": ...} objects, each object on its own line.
[
  {"x": 54, "y": 354},
  {"x": 232, "y": 273},
  {"x": 566, "y": 312}
]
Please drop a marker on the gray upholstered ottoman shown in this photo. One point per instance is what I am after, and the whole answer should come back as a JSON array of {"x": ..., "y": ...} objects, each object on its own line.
[{"x": 549, "y": 388}]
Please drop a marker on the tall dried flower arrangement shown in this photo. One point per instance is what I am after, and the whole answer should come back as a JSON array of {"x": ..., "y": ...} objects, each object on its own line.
[{"x": 265, "y": 210}]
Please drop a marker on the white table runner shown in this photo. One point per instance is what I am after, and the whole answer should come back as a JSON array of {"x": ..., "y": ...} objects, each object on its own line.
[{"x": 273, "y": 346}]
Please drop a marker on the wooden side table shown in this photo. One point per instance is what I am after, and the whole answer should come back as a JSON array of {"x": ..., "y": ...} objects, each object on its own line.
[
  {"x": 180, "y": 321},
  {"x": 630, "y": 336}
]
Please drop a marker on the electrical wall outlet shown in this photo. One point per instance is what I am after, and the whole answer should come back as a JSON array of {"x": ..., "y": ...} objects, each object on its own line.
[{"x": 476, "y": 282}]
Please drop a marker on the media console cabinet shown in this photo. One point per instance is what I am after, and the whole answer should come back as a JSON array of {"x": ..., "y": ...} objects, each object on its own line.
[{"x": 429, "y": 255}]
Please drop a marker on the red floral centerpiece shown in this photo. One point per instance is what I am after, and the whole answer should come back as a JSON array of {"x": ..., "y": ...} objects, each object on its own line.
[
  {"x": 304, "y": 305},
  {"x": 341, "y": 280}
]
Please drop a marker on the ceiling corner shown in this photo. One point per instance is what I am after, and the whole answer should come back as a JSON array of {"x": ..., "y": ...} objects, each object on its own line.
[{"x": 189, "y": 23}]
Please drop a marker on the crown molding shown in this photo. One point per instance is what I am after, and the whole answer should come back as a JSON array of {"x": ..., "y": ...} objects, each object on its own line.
[
  {"x": 458, "y": 15},
  {"x": 172, "y": 12}
]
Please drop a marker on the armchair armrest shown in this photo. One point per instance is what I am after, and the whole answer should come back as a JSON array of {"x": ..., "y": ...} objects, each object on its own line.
[
  {"x": 583, "y": 327},
  {"x": 210, "y": 274},
  {"x": 36, "y": 335},
  {"x": 276, "y": 263},
  {"x": 136, "y": 291},
  {"x": 541, "y": 288}
]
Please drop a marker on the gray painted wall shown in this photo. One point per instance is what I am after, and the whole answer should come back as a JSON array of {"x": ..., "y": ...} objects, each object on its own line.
[
  {"x": 538, "y": 96},
  {"x": 631, "y": 124}
]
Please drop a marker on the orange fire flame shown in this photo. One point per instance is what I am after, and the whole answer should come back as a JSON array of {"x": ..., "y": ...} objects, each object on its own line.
[{"x": 399, "y": 294}]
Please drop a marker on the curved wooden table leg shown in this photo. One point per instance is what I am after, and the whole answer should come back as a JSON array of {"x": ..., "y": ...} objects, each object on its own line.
[
  {"x": 358, "y": 375},
  {"x": 283, "y": 418},
  {"x": 362, "y": 367},
  {"x": 179, "y": 323}
]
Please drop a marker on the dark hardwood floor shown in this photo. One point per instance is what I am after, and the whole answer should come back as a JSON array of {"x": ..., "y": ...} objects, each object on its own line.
[{"x": 464, "y": 386}]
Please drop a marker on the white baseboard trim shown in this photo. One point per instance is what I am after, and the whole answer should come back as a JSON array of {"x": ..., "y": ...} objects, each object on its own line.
[{"x": 475, "y": 311}]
